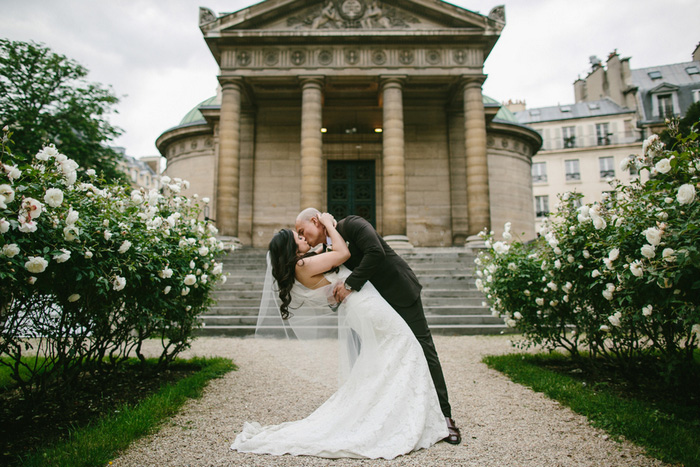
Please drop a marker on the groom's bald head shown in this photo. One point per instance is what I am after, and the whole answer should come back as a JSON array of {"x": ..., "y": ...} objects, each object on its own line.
[{"x": 309, "y": 227}]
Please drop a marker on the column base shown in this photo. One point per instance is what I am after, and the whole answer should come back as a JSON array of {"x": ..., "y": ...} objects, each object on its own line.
[
  {"x": 474, "y": 244},
  {"x": 230, "y": 243},
  {"x": 398, "y": 242}
]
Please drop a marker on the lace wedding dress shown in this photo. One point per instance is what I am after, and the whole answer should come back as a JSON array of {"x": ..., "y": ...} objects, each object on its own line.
[{"x": 386, "y": 407}]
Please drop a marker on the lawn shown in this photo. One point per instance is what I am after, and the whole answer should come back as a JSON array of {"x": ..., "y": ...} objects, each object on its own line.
[
  {"x": 645, "y": 408},
  {"x": 90, "y": 424}
]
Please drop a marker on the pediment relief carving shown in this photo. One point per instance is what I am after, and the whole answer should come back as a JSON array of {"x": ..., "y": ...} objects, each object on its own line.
[{"x": 352, "y": 14}]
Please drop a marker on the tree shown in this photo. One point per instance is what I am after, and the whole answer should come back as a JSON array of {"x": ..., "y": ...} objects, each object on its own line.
[
  {"x": 44, "y": 98},
  {"x": 685, "y": 124}
]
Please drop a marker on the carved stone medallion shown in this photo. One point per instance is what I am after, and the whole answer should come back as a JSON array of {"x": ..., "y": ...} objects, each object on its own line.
[
  {"x": 325, "y": 57},
  {"x": 271, "y": 57},
  {"x": 243, "y": 58},
  {"x": 379, "y": 57},
  {"x": 298, "y": 57},
  {"x": 406, "y": 56},
  {"x": 352, "y": 9},
  {"x": 460, "y": 56},
  {"x": 433, "y": 57},
  {"x": 352, "y": 56}
]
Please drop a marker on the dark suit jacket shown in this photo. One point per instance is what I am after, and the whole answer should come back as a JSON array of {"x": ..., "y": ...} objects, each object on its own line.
[{"x": 373, "y": 260}]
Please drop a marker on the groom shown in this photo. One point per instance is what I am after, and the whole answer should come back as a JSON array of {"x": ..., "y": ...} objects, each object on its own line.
[{"x": 373, "y": 260}]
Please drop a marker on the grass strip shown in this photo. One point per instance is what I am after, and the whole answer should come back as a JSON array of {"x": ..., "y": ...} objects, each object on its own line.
[
  {"x": 100, "y": 443},
  {"x": 663, "y": 433}
]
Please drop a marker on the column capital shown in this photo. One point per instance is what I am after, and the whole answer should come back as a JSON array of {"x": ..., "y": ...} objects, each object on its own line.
[
  {"x": 386, "y": 81},
  {"x": 471, "y": 81},
  {"x": 230, "y": 81},
  {"x": 312, "y": 80}
]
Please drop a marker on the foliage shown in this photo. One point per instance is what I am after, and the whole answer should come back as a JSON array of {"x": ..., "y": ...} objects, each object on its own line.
[
  {"x": 91, "y": 270},
  {"x": 619, "y": 278},
  {"x": 667, "y": 427},
  {"x": 102, "y": 441},
  {"x": 683, "y": 126},
  {"x": 44, "y": 98}
]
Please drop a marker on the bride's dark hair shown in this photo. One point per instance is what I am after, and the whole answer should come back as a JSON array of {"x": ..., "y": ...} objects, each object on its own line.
[{"x": 283, "y": 258}]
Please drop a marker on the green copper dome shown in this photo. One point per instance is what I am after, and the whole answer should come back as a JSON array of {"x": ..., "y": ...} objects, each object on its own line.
[{"x": 194, "y": 115}]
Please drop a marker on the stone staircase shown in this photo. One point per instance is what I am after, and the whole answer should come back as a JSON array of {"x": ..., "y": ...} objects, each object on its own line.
[{"x": 452, "y": 304}]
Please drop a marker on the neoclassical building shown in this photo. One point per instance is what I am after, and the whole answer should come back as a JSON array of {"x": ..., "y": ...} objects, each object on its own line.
[{"x": 359, "y": 107}]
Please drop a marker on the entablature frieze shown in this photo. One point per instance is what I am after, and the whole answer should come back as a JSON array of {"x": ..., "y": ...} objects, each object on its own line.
[{"x": 245, "y": 60}]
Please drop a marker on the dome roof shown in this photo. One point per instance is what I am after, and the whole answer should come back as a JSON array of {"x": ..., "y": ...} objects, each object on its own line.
[
  {"x": 503, "y": 114},
  {"x": 194, "y": 115}
]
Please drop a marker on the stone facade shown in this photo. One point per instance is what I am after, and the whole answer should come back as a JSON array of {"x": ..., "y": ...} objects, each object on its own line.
[{"x": 393, "y": 88}]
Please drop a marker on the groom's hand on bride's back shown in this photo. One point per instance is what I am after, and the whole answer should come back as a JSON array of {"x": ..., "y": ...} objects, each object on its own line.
[{"x": 340, "y": 292}]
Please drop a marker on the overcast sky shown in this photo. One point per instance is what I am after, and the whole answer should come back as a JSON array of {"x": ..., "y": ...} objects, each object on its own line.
[{"x": 153, "y": 55}]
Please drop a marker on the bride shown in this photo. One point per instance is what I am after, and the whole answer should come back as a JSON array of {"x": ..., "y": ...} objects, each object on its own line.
[{"x": 387, "y": 406}]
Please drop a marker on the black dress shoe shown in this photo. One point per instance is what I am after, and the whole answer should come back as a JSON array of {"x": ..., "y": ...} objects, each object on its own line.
[{"x": 454, "y": 437}]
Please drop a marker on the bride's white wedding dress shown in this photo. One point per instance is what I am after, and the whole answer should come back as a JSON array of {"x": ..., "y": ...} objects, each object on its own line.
[{"x": 387, "y": 406}]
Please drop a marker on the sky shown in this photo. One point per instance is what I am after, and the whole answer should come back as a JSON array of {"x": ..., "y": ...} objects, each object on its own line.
[{"x": 153, "y": 55}]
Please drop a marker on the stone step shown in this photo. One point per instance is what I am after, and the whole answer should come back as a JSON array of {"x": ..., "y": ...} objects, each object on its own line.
[
  {"x": 251, "y": 320},
  {"x": 435, "y": 310},
  {"x": 443, "y": 329}
]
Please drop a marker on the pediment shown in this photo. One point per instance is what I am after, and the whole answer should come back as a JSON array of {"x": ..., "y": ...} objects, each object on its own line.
[
  {"x": 664, "y": 87},
  {"x": 333, "y": 16}
]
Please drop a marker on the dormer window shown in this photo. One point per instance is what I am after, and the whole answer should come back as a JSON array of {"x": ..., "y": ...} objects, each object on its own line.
[
  {"x": 593, "y": 106},
  {"x": 692, "y": 70},
  {"x": 654, "y": 75},
  {"x": 565, "y": 108},
  {"x": 534, "y": 112}
]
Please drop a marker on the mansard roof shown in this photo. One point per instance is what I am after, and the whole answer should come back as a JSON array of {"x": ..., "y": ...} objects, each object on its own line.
[
  {"x": 288, "y": 22},
  {"x": 599, "y": 108}
]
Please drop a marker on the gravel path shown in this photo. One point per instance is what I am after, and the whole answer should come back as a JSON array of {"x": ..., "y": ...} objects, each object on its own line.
[{"x": 503, "y": 423}]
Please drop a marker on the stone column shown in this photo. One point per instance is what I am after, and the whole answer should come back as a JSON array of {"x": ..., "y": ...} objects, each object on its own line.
[
  {"x": 393, "y": 162},
  {"x": 228, "y": 162},
  {"x": 478, "y": 204},
  {"x": 312, "y": 183}
]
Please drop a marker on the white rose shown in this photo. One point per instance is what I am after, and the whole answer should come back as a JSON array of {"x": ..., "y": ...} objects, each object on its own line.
[
  {"x": 615, "y": 319},
  {"x": 695, "y": 329},
  {"x": 13, "y": 173},
  {"x": 686, "y": 194},
  {"x": 595, "y": 273},
  {"x": 539, "y": 301},
  {"x": 119, "y": 283},
  {"x": 190, "y": 279},
  {"x": 570, "y": 258},
  {"x": 36, "y": 264},
  {"x": 74, "y": 298},
  {"x": 125, "y": 246},
  {"x": 636, "y": 268},
  {"x": 648, "y": 251},
  {"x": 218, "y": 268},
  {"x": 507, "y": 236},
  {"x": 62, "y": 257},
  {"x": 511, "y": 323},
  {"x": 27, "y": 227},
  {"x": 7, "y": 194},
  {"x": 557, "y": 264},
  {"x": 166, "y": 290},
  {"x": 586, "y": 254},
  {"x": 72, "y": 217},
  {"x": 166, "y": 273},
  {"x": 653, "y": 235},
  {"x": 501, "y": 248},
  {"x": 205, "y": 200},
  {"x": 667, "y": 255},
  {"x": 663, "y": 166},
  {"x": 53, "y": 197},
  {"x": 604, "y": 328},
  {"x": 70, "y": 233},
  {"x": 33, "y": 207},
  {"x": 646, "y": 311},
  {"x": 10, "y": 250},
  {"x": 88, "y": 254},
  {"x": 599, "y": 223},
  {"x": 203, "y": 251},
  {"x": 185, "y": 291},
  {"x": 517, "y": 315},
  {"x": 608, "y": 294},
  {"x": 4, "y": 226},
  {"x": 107, "y": 234},
  {"x": 91, "y": 172}
]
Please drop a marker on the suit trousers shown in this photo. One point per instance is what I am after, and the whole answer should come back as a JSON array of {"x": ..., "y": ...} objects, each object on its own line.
[{"x": 415, "y": 318}]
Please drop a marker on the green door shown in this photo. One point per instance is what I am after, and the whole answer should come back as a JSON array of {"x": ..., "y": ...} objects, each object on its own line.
[{"x": 351, "y": 189}]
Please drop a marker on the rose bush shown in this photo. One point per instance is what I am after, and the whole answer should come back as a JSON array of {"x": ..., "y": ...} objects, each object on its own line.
[
  {"x": 89, "y": 270},
  {"x": 620, "y": 278}
]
